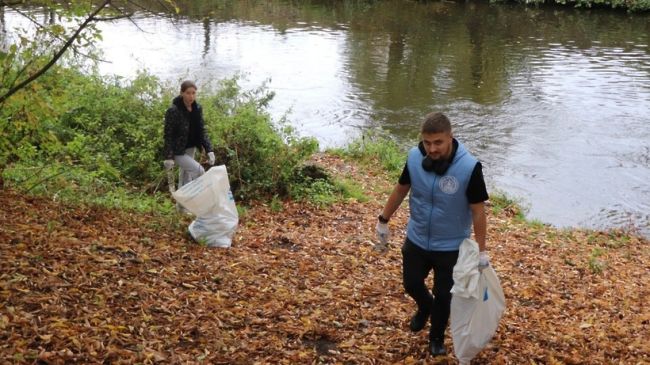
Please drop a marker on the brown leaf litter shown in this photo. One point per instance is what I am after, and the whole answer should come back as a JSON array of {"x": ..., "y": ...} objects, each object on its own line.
[{"x": 302, "y": 285}]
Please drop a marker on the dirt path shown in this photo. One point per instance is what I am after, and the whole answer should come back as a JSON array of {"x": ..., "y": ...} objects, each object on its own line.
[{"x": 300, "y": 285}]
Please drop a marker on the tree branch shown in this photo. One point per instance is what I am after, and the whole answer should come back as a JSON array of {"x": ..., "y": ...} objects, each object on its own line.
[
  {"x": 56, "y": 36},
  {"x": 59, "y": 54}
]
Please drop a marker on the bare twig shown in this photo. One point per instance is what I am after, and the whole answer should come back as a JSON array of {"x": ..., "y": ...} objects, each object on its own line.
[{"x": 44, "y": 180}]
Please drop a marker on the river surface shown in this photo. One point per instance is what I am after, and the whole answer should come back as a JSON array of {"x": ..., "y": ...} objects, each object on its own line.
[{"x": 555, "y": 102}]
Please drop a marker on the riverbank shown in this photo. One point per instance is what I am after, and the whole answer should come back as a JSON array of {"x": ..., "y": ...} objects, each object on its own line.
[{"x": 301, "y": 284}]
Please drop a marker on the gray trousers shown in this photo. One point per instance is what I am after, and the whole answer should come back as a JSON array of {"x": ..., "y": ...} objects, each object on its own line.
[{"x": 189, "y": 169}]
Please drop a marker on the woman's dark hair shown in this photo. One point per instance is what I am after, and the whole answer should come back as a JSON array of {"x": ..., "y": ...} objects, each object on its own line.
[{"x": 187, "y": 84}]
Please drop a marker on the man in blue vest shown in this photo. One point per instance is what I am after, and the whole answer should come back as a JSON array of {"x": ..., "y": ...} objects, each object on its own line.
[{"x": 447, "y": 196}]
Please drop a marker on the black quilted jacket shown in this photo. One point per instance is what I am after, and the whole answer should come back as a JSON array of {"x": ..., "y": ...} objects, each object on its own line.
[{"x": 184, "y": 129}]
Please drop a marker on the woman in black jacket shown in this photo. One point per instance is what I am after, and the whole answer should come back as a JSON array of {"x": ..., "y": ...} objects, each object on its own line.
[{"x": 184, "y": 132}]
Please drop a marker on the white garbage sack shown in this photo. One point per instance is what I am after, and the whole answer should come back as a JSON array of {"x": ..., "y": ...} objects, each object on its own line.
[
  {"x": 466, "y": 273},
  {"x": 477, "y": 304},
  {"x": 210, "y": 199}
]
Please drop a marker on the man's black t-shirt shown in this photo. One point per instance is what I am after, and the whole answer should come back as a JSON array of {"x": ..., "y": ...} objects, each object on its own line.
[{"x": 476, "y": 191}]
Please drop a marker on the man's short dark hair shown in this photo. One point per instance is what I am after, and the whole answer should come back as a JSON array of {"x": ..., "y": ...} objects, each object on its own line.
[
  {"x": 435, "y": 122},
  {"x": 187, "y": 84}
]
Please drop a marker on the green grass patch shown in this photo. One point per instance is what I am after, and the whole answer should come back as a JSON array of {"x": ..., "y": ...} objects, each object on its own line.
[
  {"x": 371, "y": 150},
  {"x": 77, "y": 186},
  {"x": 596, "y": 265},
  {"x": 276, "y": 204},
  {"x": 502, "y": 204},
  {"x": 242, "y": 210},
  {"x": 351, "y": 190}
]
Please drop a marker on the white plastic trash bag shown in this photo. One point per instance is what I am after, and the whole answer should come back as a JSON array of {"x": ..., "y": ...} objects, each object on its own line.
[
  {"x": 210, "y": 199},
  {"x": 215, "y": 231},
  {"x": 466, "y": 274},
  {"x": 204, "y": 195},
  {"x": 474, "y": 319}
]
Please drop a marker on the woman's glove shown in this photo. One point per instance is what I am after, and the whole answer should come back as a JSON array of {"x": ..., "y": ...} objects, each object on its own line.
[
  {"x": 211, "y": 158},
  {"x": 169, "y": 164}
]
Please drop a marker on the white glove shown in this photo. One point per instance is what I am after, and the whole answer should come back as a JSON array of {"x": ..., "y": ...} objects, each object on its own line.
[
  {"x": 211, "y": 158},
  {"x": 382, "y": 233},
  {"x": 169, "y": 164},
  {"x": 483, "y": 260}
]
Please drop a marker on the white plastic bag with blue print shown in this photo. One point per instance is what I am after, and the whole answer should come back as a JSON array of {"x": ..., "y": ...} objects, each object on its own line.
[
  {"x": 209, "y": 198},
  {"x": 474, "y": 318},
  {"x": 477, "y": 303}
]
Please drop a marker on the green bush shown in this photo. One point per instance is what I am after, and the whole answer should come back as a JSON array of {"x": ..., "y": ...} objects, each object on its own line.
[
  {"x": 115, "y": 128},
  {"x": 112, "y": 129},
  {"x": 262, "y": 157},
  {"x": 630, "y": 5},
  {"x": 101, "y": 124}
]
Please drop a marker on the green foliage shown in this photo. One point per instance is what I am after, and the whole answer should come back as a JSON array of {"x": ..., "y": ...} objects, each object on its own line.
[
  {"x": 71, "y": 27},
  {"x": 596, "y": 265},
  {"x": 100, "y": 124},
  {"x": 114, "y": 127},
  {"x": 639, "y": 5},
  {"x": 372, "y": 149},
  {"x": 630, "y": 5},
  {"x": 242, "y": 211},
  {"x": 276, "y": 204},
  {"x": 351, "y": 190},
  {"x": 499, "y": 203},
  {"x": 318, "y": 191},
  {"x": 311, "y": 183},
  {"x": 33, "y": 50},
  {"x": 76, "y": 185},
  {"x": 25, "y": 121},
  {"x": 536, "y": 224},
  {"x": 314, "y": 184},
  {"x": 99, "y": 137},
  {"x": 111, "y": 129},
  {"x": 262, "y": 157}
]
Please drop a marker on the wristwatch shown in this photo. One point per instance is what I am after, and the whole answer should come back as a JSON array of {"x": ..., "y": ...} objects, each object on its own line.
[{"x": 382, "y": 219}]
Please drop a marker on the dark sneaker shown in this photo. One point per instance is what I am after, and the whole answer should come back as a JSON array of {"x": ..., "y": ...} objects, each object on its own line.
[
  {"x": 418, "y": 321},
  {"x": 437, "y": 348}
]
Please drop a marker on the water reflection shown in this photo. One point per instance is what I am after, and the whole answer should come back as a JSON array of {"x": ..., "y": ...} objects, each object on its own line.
[
  {"x": 557, "y": 108},
  {"x": 206, "y": 36}
]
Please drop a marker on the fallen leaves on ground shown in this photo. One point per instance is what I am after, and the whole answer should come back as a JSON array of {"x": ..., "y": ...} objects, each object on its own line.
[{"x": 302, "y": 285}]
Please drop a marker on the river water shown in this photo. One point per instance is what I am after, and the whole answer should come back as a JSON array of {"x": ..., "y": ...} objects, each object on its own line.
[{"x": 555, "y": 102}]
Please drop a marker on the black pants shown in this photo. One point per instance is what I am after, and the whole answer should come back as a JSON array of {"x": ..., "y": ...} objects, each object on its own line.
[{"x": 416, "y": 265}]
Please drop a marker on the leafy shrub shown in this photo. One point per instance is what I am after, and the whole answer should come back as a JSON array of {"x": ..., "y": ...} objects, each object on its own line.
[
  {"x": 630, "y": 5},
  {"x": 262, "y": 158},
  {"x": 101, "y": 124},
  {"x": 115, "y": 127},
  {"x": 112, "y": 129}
]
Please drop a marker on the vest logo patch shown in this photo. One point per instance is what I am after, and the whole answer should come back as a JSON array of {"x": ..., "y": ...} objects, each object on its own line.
[{"x": 448, "y": 185}]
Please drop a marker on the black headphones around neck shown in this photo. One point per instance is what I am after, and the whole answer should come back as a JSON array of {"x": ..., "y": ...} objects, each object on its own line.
[{"x": 437, "y": 166}]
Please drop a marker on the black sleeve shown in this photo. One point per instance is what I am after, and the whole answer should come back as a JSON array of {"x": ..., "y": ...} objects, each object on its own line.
[
  {"x": 205, "y": 140},
  {"x": 405, "y": 178},
  {"x": 476, "y": 190}
]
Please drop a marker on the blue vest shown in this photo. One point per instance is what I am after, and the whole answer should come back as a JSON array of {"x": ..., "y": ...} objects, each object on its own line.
[{"x": 440, "y": 217}]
